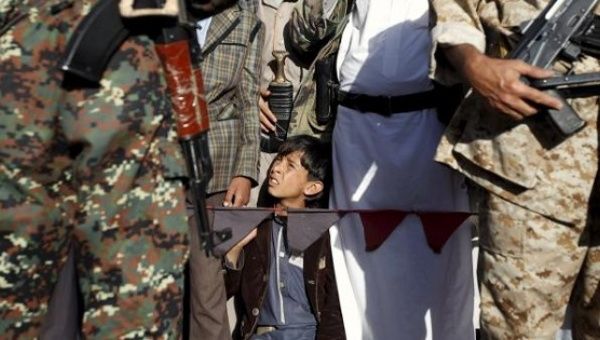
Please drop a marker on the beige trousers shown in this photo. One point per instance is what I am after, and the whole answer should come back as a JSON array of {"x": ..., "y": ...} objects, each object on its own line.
[
  {"x": 208, "y": 308},
  {"x": 530, "y": 266}
]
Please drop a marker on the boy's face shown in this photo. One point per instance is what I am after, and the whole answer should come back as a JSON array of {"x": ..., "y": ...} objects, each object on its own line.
[{"x": 288, "y": 181}]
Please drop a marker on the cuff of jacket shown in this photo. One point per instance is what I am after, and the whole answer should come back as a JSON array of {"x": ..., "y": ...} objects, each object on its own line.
[
  {"x": 451, "y": 34},
  {"x": 246, "y": 167}
]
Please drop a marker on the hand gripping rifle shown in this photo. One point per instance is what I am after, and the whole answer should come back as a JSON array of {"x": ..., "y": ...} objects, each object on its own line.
[
  {"x": 109, "y": 23},
  {"x": 549, "y": 35}
]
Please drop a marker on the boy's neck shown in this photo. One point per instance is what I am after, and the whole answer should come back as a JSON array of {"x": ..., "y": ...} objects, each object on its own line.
[{"x": 283, "y": 205}]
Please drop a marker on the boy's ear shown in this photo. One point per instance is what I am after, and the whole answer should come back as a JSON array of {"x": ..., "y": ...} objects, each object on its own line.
[{"x": 313, "y": 188}]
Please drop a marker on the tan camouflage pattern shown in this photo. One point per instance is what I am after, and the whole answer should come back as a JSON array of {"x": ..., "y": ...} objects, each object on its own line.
[
  {"x": 538, "y": 220},
  {"x": 99, "y": 166},
  {"x": 529, "y": 265},
  {"x": 525, "y": 163}
]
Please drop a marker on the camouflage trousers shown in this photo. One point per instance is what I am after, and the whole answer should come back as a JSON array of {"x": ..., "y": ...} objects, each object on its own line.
[
  {"x": 129, "y": 259},
  {"x": 530, "y": 267}
]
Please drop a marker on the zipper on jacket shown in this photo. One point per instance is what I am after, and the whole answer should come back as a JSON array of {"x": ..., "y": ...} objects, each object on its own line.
[{"x": 277, "y": 271}]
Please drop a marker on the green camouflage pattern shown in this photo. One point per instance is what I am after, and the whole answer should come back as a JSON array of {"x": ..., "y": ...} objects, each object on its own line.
[{"x": 100, "y": 166}]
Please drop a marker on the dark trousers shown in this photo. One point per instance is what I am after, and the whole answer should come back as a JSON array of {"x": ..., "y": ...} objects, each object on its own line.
[{"x": 62, "y": 320}]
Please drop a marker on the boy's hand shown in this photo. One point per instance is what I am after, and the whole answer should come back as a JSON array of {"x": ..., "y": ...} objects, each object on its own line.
[
  {"x": 238, "y": 193},
  {"x": 233, "y": 254},
  {"x": 267, "y": 118}
]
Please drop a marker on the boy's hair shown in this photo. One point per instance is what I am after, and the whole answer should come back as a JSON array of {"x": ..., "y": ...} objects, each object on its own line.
[{"x": 316, "y": 159}]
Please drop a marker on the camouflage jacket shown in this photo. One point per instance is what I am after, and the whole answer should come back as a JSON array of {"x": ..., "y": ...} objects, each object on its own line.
[
  {"x": 96, "y": 163},
  {"x": 523, "y": 162},
  {"x": 127, "y": 115},
  {"x": 231, "y": 64},
  {"x": 231, "y": 69}
]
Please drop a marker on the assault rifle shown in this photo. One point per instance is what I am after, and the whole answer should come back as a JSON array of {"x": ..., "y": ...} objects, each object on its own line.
[
  {"x": 550, "y": 35},
  {"x": 103, "y": 30}
]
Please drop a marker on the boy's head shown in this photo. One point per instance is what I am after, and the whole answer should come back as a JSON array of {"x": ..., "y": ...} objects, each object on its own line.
[{"x": 300, "y": 174}]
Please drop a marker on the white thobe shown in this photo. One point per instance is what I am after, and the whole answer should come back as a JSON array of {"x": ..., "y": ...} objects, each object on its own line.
[{"x": 403, "y": 290}]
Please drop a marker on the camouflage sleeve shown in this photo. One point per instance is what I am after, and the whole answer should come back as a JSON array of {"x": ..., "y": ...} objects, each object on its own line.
[
  {"x": 457, "y": 22},
  {"x": 9, "y": 12},
  {"x": 246, "y": 163}
]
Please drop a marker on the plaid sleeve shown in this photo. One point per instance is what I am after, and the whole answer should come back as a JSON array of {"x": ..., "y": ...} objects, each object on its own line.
[{"x": 246, "y": 164}]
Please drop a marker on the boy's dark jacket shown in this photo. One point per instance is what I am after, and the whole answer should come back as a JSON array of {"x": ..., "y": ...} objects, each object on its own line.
[{"x": 319, "y": 278}]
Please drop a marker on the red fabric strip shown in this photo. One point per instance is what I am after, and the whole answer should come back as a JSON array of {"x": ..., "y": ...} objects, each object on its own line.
[
  {"x": 440, "y": 226},
  {"x": 378, "y": 225}
]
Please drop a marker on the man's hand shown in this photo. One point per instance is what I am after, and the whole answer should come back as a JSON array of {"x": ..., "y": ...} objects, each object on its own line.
[
  {"x": 267, "y": 118},
  {"x": 238, "y": 193},
  {"x": 499, "y": 81}
]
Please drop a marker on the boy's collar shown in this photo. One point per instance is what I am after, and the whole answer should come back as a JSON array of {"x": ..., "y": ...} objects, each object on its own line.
[{"x": 281, "y": 220}]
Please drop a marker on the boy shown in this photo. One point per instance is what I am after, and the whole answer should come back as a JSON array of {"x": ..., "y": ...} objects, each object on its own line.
[{"x": 285, "y": 296}]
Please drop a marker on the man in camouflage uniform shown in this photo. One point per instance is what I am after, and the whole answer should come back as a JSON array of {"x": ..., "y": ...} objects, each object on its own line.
[
  {"x": 539, "y": 230},
  {"x": 99, "y": 166}
]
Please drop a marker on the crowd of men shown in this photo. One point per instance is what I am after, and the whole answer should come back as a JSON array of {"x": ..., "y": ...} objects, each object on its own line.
[{"x": 398, "y": 106}]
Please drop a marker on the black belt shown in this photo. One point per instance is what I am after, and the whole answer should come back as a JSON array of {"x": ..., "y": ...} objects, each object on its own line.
[{"x": 386, "y": 105}]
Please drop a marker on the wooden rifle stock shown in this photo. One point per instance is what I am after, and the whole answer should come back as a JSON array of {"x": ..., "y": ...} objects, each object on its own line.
[{"x": 176, "y": 48}]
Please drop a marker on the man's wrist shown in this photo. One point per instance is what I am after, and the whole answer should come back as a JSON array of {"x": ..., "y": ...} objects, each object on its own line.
[
  {"x": 251, "y": 181},
  {"x": 464, "y": 58}
]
